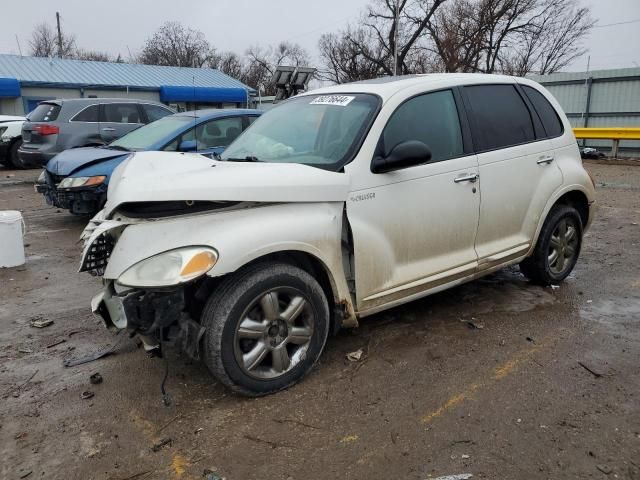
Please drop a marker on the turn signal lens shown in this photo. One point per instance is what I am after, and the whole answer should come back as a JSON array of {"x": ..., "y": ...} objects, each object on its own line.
[
  {"x": 97, "y": 180},
  {"x": 200, "y": 263}
]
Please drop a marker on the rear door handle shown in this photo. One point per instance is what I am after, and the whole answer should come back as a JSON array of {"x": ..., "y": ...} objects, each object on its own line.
[
  {"x": 473, "y": 178},
  {"x": 545, "y": 159},
  {"x": 108, "y": 129}
]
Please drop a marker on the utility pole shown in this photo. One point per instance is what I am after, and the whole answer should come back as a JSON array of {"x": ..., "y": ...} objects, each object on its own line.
[
  {"x": 395, "y": 40},
  {"x": 59, "y": 35}
]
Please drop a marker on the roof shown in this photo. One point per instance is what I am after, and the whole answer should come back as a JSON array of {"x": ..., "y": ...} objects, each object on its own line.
[
  {"x": 41, "y": 71},
  {"x": 386, "y": 87},
  {"x": 208, "y": 113}
]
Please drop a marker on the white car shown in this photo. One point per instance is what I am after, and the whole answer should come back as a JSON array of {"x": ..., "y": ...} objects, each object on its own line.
[
  {"x": 10, "y": 138},
  {"x": 337, "y": 204}
]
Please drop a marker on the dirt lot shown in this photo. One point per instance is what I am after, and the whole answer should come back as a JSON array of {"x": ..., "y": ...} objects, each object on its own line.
[{"x": 548, "y": 388}]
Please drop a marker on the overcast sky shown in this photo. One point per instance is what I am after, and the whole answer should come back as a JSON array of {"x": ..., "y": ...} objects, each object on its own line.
[{"x": 114, "y": 25}]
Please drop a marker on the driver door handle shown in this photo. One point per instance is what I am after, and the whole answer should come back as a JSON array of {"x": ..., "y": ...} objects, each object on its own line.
[
  {"x": 473, "y": 178},
  {"x": 545, "y": 159},
  {"x": 108, "y": 129}
]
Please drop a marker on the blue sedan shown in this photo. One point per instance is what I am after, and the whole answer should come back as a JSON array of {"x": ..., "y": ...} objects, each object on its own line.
[{"x": 77, "y": 179}]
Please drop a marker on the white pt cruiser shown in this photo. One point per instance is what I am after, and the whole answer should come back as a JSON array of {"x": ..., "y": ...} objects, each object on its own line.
[{"x": 337, "y": 204}]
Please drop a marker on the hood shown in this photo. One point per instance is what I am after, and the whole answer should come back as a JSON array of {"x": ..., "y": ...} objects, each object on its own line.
[
  {"x": 163, "y": 176},
  {"x": 67, "y": 162}
]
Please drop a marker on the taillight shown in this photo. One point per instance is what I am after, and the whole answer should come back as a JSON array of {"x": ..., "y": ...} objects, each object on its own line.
[{"x": 46, "y": 129}]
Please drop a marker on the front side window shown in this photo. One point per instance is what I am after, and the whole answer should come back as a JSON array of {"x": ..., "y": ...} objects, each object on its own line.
[
  {"x": 502, "y": 119},
  {"x": 548, "y": 115},
  {"x": 320, "y": 130},
  {"x": 89, "y": 114},
  {"x": 149, "y": 135},
  {"x": 120, "y": 113},
  {"x": 431, "y": 119}
]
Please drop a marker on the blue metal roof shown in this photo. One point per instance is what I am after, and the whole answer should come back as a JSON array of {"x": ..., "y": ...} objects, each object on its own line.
[{"x": 39, "y": 71}]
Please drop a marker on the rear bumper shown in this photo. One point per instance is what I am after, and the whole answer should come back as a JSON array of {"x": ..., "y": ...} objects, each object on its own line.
[{"x": 34, "y": 158}]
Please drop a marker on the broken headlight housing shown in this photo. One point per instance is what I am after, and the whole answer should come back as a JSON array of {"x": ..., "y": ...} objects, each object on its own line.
[
  {"x": 74, "y": 182},
  {"x": 170, "y": 268}
]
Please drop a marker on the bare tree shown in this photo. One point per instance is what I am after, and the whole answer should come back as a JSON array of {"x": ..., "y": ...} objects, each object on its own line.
[
  {"x": 229, "y": 63},
  {"x": 96, "y": 56},
  {"x": 343, "y": 60},
  {"x": 176, "y": 45},
  {"x": 510, "y": 36},
  {"x": 44, "y": 42}
]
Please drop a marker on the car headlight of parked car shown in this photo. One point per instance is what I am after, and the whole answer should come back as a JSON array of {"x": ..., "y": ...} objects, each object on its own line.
[
  {"x": 75, "y": 182},
  {"x": 170, "y": 268}
]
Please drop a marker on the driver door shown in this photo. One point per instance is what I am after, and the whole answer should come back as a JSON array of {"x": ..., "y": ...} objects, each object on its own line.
[{"x": 414, "y": 229}]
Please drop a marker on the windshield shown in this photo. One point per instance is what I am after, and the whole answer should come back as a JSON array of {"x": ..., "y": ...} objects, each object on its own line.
[
  {"x": 147, "y": 136},
  {"x": 320, "y": 130}
]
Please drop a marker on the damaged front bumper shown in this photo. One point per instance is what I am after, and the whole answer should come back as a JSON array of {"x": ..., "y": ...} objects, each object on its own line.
[
  {"x": 155, "y": 316},
  {"x": 79, "y": 201}
]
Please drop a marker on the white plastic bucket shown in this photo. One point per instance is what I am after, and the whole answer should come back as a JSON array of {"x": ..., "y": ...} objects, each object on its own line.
[{"x": 11, "y": 235}]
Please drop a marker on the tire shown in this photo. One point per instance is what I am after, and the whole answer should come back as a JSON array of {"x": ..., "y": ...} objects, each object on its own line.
[
  {"x": 14, "y": 158},
  {"x": 278, "y": 298},
  {"x": 558, "y": 247}
]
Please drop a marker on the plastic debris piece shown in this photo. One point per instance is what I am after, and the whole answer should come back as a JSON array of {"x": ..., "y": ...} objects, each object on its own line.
[
  {"x": 460, "y": 476},
  {"x": 96, "y": 378},
  {"x": 39, "y": 322},
  {"x": 355, "y": 356},
  {"x": 86, "y": 395},
  {"x": 158, "y": 445}
]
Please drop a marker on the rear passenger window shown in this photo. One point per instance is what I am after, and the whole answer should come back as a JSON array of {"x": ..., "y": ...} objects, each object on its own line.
[
  {"x": 120, "y": 113},
  {"x": 432, "y": 119},
  {"x": 502, "y": 119},
  {"x": 89, "y": 114},
  {"x": 548, "y": 115},
  {"x": 155, "y": 112}
]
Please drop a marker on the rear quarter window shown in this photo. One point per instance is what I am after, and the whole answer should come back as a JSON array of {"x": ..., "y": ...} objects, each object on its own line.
[
  {"x": 501, "y": 116},
  {"x": 548, "y": 115},
  {"x": 45, "y": 112},
  {"x": 89, "y": 114}
]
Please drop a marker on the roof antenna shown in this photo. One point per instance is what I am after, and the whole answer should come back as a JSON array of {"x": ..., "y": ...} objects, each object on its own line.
[
  {"x": 195, "y": 129},
  {"x": 18, "y": 42}
]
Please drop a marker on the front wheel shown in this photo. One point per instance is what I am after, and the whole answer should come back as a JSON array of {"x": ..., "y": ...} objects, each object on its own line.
[
  {"x": 266, "y": 327},
  {"x": 558, "y": 247}
]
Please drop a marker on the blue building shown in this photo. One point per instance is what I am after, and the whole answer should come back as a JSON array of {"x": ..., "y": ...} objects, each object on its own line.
[{"x": 25, "y": 81}]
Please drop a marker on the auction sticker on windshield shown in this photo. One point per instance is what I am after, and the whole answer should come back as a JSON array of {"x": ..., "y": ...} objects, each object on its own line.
[{"x": 340, "y": 100}]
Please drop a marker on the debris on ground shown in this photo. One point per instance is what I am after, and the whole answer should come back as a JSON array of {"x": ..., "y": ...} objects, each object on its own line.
[
  {"x": 40, "y": 322},
  {"x": 96, "y": 378},
  {"x": 24, "y": 350},
  {"x": 210, "y": 474},
  {"x": 604, "y": 469},
  {"x": 86, "y": 395},
  {"x": 464, "y": 456},
  {"x": 530, "y": 339},
  {"x": 26, "y": 474},
  {"x": 554, "y": 287},
  {"x": 473, "y": 324},
  {"x": 460, "y": 476},
  {"x": 15, "y": 391},
  {"x": 158, "y": 445},
  {"x": 56, "y": 343},
  {"x": 590, "y": 370},
  {"x": 355, "y": 356},
  {"x": 72, "y": 362}
]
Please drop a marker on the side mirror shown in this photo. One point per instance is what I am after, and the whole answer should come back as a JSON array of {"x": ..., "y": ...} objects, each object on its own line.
[
  {"x": 403, "y": 155},
  {"x": 188, "y": 146}
]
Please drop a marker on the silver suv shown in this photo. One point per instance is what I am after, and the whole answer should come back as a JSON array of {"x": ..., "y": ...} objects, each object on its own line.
[{"x": 57, "y": 125}]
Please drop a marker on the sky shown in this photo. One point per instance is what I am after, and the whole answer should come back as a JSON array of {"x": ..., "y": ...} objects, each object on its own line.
[{"x": 120, "y": 26}]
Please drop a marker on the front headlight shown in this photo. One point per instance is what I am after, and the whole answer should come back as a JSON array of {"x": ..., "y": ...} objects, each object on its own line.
[
  {"x": 170, "y": 268},
  {"x": 74, "y": 182}
]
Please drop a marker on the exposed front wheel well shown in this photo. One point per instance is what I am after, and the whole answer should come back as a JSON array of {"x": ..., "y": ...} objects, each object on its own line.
[
  {"x": 201, "y": 290},
  {"x": 579, "y": 201}
]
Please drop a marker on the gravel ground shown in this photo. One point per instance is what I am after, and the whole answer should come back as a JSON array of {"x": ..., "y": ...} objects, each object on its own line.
[{"x": 548, "y": 388}]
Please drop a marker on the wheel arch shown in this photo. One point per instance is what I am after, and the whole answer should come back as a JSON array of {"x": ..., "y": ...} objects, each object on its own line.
[
  {"x": 340, "y": 309},
  {"x": 573, "y": 195}
]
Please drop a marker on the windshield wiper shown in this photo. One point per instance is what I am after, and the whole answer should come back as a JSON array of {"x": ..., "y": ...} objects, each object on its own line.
[
  {"x": 248, "y": 158},
  {"x": 118, "y": 147}
]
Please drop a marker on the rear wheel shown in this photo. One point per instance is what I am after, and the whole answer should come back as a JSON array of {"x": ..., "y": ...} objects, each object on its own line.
[
  {"x": 266, "y": 327},
  {"x": 558, "y": 247}
]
